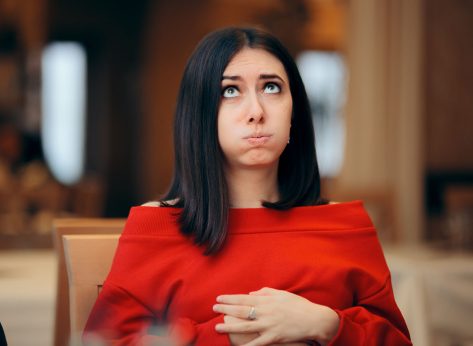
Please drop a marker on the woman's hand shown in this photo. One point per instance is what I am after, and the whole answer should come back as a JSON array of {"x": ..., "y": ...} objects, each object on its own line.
[
  {"x": 238, "y": 339},
  {"x": 281, "y": 317}
]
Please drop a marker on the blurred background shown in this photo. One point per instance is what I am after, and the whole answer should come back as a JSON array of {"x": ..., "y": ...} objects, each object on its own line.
[{"x": 87, "y": 95}]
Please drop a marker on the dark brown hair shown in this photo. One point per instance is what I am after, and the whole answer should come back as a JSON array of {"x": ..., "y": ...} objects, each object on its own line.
[{"x": 199, "y": 182}]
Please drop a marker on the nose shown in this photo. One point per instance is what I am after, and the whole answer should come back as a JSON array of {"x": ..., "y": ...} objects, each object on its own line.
[{"x": 255, "y": 111}]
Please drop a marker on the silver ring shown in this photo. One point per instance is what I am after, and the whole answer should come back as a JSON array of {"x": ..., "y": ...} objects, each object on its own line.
[{"x": 252, "y": 314}]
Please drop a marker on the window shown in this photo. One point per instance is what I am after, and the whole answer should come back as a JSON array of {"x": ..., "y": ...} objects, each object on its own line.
[
  {"x": 324, "y": 77},
  {"x": 63, "y": 99}
]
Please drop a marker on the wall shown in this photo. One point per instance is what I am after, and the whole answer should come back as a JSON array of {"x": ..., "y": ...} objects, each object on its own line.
[
  {"x": 449, "y": 85},
  {"x": 174, "y": 29}
]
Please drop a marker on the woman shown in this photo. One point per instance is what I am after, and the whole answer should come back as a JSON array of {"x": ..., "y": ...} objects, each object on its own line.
[{"x": 243, "y": 250}]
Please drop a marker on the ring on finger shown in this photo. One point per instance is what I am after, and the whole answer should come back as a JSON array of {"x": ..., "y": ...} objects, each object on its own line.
[{"x": 252, "y": 313}]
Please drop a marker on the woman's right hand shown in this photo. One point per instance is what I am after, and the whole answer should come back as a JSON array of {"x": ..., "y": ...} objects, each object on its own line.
[{"x": 239, "y": 339}]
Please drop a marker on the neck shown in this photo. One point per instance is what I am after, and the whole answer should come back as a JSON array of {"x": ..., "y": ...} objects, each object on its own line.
[{"x": 248, "y": 187}]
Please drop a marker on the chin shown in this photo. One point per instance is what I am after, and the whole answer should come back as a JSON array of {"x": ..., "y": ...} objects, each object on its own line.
[
  {"x": 255, "y": 159},
  {"x": 256, "y": 164}
]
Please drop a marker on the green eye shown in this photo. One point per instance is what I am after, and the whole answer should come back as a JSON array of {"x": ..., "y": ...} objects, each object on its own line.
[
  {"x": 272, "y": 88},
  {"x": 230, "y": 92}
]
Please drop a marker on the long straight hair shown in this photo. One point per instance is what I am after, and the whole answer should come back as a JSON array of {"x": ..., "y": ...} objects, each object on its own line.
[{"x": 199, "y": 184}]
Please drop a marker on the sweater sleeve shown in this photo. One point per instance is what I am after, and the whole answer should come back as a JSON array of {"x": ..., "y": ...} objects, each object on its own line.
[
  {"x": 375, "y": 320},
  {"x": 118, "y": 318}
]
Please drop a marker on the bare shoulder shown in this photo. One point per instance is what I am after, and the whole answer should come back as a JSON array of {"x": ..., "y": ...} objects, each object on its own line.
[
  {"x": 158, "y": 204},
  {"x": 151, "y": 204}
]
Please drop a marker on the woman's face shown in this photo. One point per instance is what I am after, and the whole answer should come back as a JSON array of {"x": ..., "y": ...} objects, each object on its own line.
[{"x": 254, "y": 116}]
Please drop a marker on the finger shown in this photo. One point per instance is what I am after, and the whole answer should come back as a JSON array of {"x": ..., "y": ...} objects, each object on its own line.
[
  {"x": 243, "y": 327},
  {"x": 240, "y": 311},
  {"x": 258, "y": 293},
  {"x": 232, "y": 319},
  {"x": 237, "y": 299},
  {"x": 264, "y": 291}
]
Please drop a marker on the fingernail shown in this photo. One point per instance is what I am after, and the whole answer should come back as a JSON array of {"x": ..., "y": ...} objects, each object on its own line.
[
  {"x": 218, "y": 327},
  {"x": 219, "y": 299},
  {"x": 215, "y": 308}
]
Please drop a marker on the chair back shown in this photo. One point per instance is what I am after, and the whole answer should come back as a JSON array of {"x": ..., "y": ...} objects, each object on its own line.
[
  {"x": 67, "y": 227},
  {"x": 88, "y": 261}
]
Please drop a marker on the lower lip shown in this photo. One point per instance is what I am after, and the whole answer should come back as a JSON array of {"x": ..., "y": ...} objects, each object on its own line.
[{"x": 258, "y": 140}]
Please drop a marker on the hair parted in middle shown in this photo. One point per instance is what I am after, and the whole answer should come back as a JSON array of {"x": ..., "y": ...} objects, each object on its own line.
[{"x": 199, "y": 184}]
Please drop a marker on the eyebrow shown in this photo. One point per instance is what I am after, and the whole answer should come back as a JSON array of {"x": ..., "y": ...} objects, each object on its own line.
[{"x": 261, "y": 76}]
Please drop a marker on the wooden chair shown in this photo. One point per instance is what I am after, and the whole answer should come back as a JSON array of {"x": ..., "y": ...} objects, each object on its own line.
[
  {"x": 88, "y": 260},
  {"x": 68, "y": 227}
]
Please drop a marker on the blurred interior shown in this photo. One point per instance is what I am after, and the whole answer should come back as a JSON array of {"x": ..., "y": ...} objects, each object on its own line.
[{"x": 404, "y": 113}]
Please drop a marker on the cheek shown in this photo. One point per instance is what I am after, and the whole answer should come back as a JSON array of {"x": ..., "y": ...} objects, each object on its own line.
[
  {"x": 288, "y": 109},
  {"x": 284, "y": 124},
  {"x": 284, "y": 114},
  {"x": 225, "y": 130}
]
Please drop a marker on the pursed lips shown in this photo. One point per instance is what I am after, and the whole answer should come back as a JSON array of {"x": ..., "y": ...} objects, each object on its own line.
[
  {"x": 258, "y": 138},
  {"x": 257, "y": 135}
]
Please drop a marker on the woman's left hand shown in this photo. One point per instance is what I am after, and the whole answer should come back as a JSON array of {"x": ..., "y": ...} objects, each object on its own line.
[{"x": 280, "y": 317}]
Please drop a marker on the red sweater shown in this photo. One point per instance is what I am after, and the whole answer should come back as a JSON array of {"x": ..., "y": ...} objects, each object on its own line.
[{"x": 328, "y": 254}]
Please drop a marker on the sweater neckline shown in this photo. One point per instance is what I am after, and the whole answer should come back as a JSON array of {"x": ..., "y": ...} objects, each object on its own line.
[{"x": 338, "y": 216}]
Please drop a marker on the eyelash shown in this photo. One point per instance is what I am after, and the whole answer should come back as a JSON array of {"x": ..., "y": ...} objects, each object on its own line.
[{"x": 265, "y": 85}]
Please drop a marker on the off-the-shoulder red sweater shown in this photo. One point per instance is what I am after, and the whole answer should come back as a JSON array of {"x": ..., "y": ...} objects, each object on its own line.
[{"x": 328, "y": 254}]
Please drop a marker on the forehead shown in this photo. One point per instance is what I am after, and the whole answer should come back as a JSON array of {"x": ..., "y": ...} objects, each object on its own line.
[{"x": 257, "y": 60}]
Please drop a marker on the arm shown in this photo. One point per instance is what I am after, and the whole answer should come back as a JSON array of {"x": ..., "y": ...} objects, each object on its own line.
[
  {"x": 279, "y": 317},
  {"x": 286, "y": 317},
  {"x": 374, "y": 320},
  {"x": 118, "y": 318}
]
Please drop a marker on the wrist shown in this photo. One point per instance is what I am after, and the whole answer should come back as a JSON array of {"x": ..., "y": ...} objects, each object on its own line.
[{"x": 326, "y": 326}]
